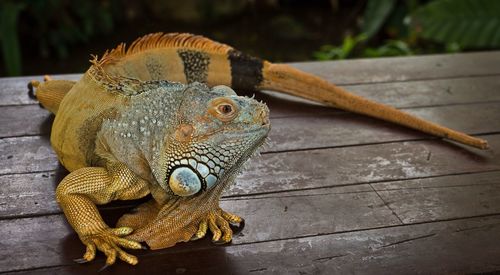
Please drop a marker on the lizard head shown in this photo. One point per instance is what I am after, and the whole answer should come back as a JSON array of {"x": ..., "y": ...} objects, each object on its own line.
[{"x": 215, "y": 132}]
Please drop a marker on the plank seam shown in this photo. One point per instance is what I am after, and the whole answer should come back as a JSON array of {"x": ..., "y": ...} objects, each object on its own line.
[
  {"x": 428, "y": 138},
  {"x": 333, "y": 111},
  {"x": 473, "y": 75},
  {"x": 362, "y": 183},
  {"x": 438, "y": 187}
]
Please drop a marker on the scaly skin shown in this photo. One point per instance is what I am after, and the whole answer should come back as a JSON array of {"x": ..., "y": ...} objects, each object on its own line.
[
  {"x": 122, "y": 139},
  {"x": 124, "y": 132},
  {"x": 78, "y": 195}
]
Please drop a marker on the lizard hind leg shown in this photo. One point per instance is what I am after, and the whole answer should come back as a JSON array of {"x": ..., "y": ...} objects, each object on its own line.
[{"x": 51, "y": 92}]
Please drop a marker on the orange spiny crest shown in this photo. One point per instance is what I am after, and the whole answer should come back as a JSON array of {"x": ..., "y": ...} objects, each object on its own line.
[{"x": 163, "y": 40}]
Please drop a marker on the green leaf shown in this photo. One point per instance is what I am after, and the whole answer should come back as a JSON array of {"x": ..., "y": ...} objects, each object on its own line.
[
  {"x": 390, "y": 48},
  {"x": 329, "y": 52},
  {"x": 376, "y": 13},
  {"x": 468, "y": 23}
]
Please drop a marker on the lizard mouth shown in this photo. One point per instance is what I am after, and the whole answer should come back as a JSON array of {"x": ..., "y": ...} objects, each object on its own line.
[{"x": 260, "y": 131}]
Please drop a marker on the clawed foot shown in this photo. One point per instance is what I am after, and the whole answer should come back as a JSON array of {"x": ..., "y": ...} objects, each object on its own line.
[
  {"x": 218, "y": 221},
  {"x": 109, "y": 241}
]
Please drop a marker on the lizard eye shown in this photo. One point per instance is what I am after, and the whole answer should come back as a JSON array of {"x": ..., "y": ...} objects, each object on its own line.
[{"x": 224, "y": 109}]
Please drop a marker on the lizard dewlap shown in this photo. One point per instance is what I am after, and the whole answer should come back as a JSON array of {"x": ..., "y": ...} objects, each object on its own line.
[{"x": 160, "y": 118}]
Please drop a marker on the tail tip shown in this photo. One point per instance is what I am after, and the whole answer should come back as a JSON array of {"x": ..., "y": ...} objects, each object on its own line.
[{"x": 484, "y": 145}]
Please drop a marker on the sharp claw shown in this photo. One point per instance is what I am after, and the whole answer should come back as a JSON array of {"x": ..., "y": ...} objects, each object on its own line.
[
  {"x": 239, "y": 228},
  {"x": 145, "y": 246},
  {"x": 80, "y": 261},
  {"x": 103, "y": 268},
  {"x": 194, "y": 238}
]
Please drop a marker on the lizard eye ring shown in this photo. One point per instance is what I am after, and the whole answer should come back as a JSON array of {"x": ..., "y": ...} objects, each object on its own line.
[{"x": 224, "y": 109}]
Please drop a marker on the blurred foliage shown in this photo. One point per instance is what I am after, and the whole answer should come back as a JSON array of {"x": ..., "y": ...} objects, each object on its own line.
[
  {"x": 468, "y": 23},
  {"x": 54, "y": 25},
  {"x": 56, "y": 36},
  {"x": 42, "y": 34},
  {"x": 8, "y": 36},
  {"x": 190, "y": 11},
  {"x": 328, "y": 52},
  {"x": 420, "y": 27},
  {"x": 389, "y": 48},
  {"x": 376, "y": 13}
]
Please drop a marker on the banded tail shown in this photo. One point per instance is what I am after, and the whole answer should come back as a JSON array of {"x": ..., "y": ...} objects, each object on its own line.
[
  {"x": 187, "y": 58},
  {"x": 289, "y": 80}
]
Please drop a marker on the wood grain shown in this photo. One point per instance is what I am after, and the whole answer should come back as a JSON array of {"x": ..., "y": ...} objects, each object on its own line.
[
  {"x": 448, "y": 197},
  {"x": 452, "y": 247},
  {"x": 288, "y": 217},
  {"x": 26, "y": 155},
  {"x": 14, "y": 90}
]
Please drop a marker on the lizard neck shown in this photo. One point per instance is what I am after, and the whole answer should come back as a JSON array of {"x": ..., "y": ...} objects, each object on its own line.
[{"x": 137, "y": 136}]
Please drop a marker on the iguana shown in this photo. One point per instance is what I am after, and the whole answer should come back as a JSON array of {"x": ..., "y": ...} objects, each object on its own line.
[{"x": 144, "y": 119}]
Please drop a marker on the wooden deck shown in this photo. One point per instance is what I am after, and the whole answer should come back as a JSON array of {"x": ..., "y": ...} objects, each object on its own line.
[{"x": 334, "y": 193}]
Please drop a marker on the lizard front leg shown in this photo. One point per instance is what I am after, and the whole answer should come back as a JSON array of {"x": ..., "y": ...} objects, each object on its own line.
[{"x": 80, "y": 192}]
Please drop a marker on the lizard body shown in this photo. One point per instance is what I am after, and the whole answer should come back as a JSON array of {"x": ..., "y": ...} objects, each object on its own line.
[
  {"x": 187, "y": 58},
  {"x": 124, "y": 131}
]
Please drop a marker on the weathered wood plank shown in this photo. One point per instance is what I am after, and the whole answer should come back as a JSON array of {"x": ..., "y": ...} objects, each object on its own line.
[
  {"x": 14, "y": 90},
  {"x": 393, "y": 69},
  {"x": 343, "y": 129},
  {"x": 362, "y": 164},
  {"x": 449, "y": 197},
  {"x": 289, "y": 171},
  {"x": 25, "y": 120},
  {"x": 29, "y": 194},
  {"x": 456, "y": 247},
  {"x": 287, "y": 217},
  {"x": 432, "y": 92},
  {"x": 26, "y": 155}
]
